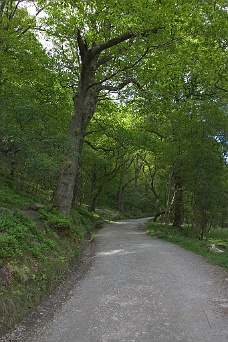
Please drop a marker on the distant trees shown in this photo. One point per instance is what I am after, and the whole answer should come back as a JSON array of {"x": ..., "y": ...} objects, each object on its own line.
[
  {"x": 112, "y": 162},
  {"x": 190, "y": 121}
]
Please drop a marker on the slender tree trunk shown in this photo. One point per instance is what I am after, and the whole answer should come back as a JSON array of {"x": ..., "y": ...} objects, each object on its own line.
[
  {"x": 120, "y": 198},
  {"x": 201, "y": 221},
  {"x": 94, "y": 192},
  {"x": 167, "y": 208},
  {"x": 178, "y": 218},
  {"x": 94, "y": 198},
  {"x": 92, "y": 205}
]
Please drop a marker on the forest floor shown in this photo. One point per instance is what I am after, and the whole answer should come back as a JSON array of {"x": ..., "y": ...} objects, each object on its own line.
[{"x": 131, "y": 287}]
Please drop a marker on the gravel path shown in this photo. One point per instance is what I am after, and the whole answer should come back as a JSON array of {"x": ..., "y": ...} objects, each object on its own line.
[{"x": 140, "y": 289}]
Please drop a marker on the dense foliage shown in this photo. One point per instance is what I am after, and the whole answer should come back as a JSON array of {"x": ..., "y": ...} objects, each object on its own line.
[{"x": 148, "y": 134}]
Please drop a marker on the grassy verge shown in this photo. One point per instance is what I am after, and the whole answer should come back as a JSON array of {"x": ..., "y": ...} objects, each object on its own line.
[
  {"x": 35, "y": 253},
  {"x": 218, "y": 236}
]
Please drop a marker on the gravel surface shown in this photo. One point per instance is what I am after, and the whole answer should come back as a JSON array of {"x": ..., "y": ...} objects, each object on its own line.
[{"x": 132, "y": 287}]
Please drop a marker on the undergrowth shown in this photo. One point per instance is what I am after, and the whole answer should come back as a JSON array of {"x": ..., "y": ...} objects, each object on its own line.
[
  {"x": 8, "y": 198},
  {"x": 36, "y": 255},
  {"x": 217, "y": 236}
]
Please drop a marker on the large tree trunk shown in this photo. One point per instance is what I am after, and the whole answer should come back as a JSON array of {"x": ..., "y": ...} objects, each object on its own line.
[{"x": 67, "y": 190}]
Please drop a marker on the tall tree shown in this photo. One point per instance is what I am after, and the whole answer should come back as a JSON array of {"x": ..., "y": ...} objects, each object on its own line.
[{"x": 101, "y": 52}]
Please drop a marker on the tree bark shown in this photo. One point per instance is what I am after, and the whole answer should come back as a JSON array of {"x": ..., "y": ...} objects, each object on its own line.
[
  {"x": 201, "y": 222},
  {"x": 94, "y": 197},
  {"x": 167, "y": 208},
  {"x": 178, "y": 215},
  {"x": 67, "y": 190},
  {"x": 120, "y": 197}
]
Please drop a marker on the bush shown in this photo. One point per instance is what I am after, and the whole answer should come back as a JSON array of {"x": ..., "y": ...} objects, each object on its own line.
[
  {"x": 9, "y": 246},
  {"x": 59, "y": 223},
  {"x": 75, "y": 226},
  {"x": 17, "y": 230}
]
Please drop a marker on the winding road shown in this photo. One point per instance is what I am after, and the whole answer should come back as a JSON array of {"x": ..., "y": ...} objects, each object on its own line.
[{"x": 141, "y": 289}]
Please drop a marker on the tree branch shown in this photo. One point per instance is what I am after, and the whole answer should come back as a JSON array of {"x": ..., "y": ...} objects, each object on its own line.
[
  {"x": 219, "y": 79},
  {"x": 117, "y": 87},
  {"x": 97, "y": 49},
  {"x": 104, "y": 60},
  {"x": 12, "y": 14},
  {"x": 96, "y": 148},
  {"x": 107, "y": 87},
  {"x": 220, "y": 88},
  {"x": 152, "y": 175},
  {"x": 2, "y": 6},
  {"x": 81, "y": 44}
]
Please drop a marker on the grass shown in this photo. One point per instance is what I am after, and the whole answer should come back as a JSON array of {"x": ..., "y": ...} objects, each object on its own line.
[
  {"x": 35, "y": 254},
  {"x": 10, "y": 199},
  {"x": 217, "y": 236}
]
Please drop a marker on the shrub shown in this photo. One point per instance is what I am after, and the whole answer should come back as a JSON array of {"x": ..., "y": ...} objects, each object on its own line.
[
  {"x": 9, "y": 246},
  {"x": 17, "y": 230},
  {"x": 72, "y": 226}
]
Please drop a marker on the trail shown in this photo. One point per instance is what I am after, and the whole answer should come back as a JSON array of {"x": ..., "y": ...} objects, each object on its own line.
[{"x": 140, "y": 289}]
